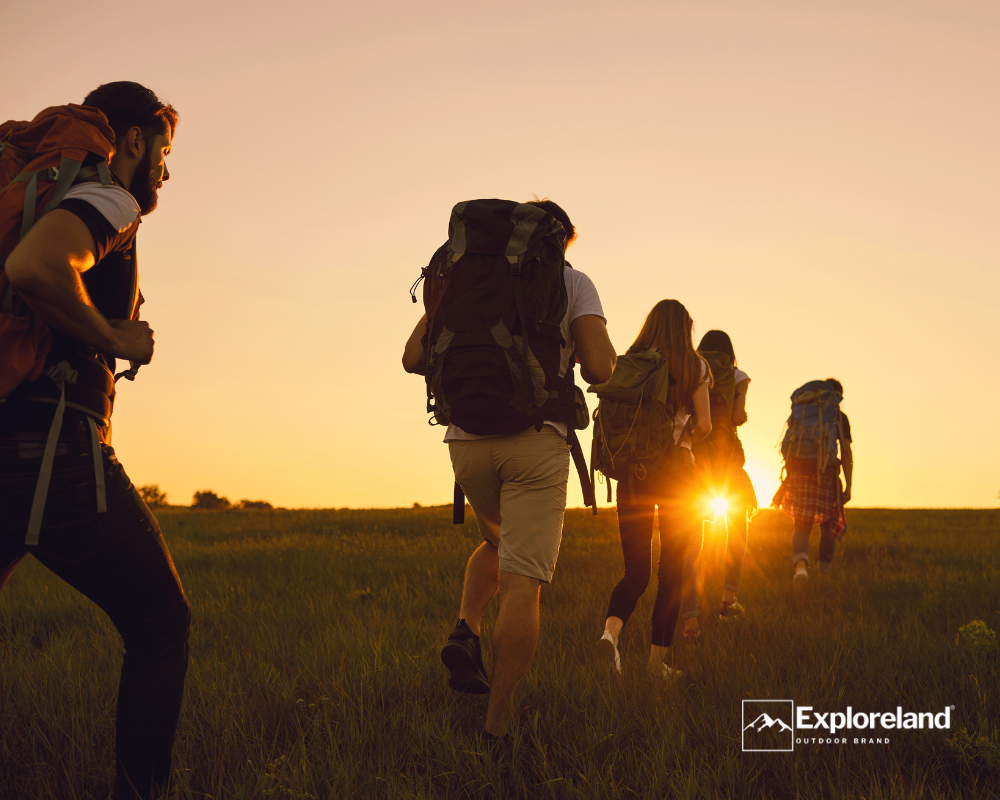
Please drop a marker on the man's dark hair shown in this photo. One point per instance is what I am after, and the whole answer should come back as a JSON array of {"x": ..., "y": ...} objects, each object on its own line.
[
  {"x": 554, "y": 210},
  {"x": 718, "y": 342},
  {"x": 836, "y": 385},
  {"x": 127, "y": 105}
]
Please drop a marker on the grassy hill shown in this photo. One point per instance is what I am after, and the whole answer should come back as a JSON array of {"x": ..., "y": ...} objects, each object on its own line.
[{"x": 315, "y": 672}]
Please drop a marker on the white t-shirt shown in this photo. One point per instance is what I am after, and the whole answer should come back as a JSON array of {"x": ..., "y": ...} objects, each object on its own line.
[
  {"x": 582, "y": 300},
  {"x": 682, "y": 417},
  {"x": 740, "y": 376}
]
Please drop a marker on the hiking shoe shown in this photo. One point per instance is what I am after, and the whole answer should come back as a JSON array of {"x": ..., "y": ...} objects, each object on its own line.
[
  {"x": 664, "y": 672},
  {"x": 607, "y": 653},
  {"x": 463, "y": 657},
  {"x": 731, "y": 610},
  {"x": 494, "y": 746},
  {"x": 801, "y": 574},
  {"x": 693, "y": 636}
]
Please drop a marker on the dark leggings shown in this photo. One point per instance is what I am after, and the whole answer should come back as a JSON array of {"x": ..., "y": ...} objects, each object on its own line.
[
  {"x": 800, "y": 543},
  {"x": 119, "y": 560},
  {"x": 635, "y": 526}
]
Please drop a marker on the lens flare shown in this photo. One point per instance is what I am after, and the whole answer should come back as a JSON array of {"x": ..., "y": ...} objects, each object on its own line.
[{"x": 720, "y": 505}]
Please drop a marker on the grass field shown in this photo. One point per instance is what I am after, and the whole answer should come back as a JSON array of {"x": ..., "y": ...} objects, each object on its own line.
[{"x": 315, "y": 672}]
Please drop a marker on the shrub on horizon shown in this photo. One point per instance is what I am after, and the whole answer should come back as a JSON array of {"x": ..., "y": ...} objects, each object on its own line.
[
  {"x": 152, "y": 495},
  {"x": 254, "y": 505},
  {"x": 210, "y": 501}
]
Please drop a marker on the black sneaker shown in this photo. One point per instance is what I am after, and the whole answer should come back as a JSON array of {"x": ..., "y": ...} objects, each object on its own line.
[
  {"x": 497, "y": 747},
  {"x": 464, "y": 659}
]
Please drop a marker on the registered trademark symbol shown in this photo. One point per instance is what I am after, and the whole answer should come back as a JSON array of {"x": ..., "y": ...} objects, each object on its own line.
[{"x": 953, "y": 708}]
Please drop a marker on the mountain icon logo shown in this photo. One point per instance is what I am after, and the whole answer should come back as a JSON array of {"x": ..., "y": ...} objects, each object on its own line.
[
  {"x": 768, "y": 726},
  {"x": 764, "y": 721}
]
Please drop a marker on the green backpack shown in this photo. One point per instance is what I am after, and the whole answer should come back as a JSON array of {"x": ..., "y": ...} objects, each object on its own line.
[
  {"x": 634, "y": 424},
  {"x": 722, "y": 449}
]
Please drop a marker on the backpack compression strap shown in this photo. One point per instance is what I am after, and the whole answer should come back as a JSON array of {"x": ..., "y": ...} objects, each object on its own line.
[
  {"x": 458, "y": 511},
  {"x": 65, "y": 175},
  {"x": 580, "y": 461},
  {"x": 60, "y": 374},
  {"x": 527, "y": 217}
]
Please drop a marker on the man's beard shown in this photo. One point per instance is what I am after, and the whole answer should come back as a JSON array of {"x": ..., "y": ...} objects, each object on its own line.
[{"x": 144, "y": 185}]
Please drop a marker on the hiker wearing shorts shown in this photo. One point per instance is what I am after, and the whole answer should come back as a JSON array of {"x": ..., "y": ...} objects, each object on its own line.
[
  {"x": 516, "y": 482},
  {"x": 75, "y": 268},
  {"x": 811, "y": 493},
  {"x": 681, "y": 387},
  {"x": 719, "y": 461}
]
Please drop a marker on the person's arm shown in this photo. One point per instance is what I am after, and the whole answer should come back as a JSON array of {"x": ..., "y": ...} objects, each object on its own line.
[
  {"x": 413, "y": 352},
  {"x": 46, "y": 269},
  {"x": 703, "y": 414},
  {"x": 740, "y": 403},
  {"x": 593, "y": 349},
  {"x": 846, "y": 461}
]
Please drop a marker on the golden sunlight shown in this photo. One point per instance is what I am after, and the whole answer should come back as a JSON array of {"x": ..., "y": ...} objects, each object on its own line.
[{"x": 765, "y": 482}]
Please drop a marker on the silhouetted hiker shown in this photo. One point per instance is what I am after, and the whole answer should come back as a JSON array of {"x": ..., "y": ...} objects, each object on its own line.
[
  {"x": 719, "y": 460},
  {"x": 811, "y": 492},
  {"x": 70, "y": 310},
  {"x": 642, "y": 438},
  {"x": 509, "y": 438}
]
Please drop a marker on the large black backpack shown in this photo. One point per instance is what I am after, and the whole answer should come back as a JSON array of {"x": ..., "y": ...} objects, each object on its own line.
[{"x": 495, "y": 297}]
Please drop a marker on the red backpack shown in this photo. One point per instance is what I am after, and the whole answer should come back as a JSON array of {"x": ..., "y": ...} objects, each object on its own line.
[{"x": 39, "y": 161}]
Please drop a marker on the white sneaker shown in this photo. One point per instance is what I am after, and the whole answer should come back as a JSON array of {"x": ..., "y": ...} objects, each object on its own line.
[
  {"x": 801, "y": 573},
  {"x": 664, "y": 671},
  {"x": 732, "y": 610},
  {"x": 607, "y": 653}
]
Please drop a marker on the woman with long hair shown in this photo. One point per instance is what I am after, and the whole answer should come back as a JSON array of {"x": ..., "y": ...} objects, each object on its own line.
[
  {"x": 667, "y": 331},
  {"x": 719, "y": 460}
]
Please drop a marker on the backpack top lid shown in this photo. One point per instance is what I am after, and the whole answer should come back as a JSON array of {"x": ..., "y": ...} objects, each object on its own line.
[
  {"x": 723, "y": 375},
  {"x": 633, "y": 371},
  {"x": 816, "y": 391},
  {"x": 70, "y": 131},
  {"x": 501, "y": 227}
]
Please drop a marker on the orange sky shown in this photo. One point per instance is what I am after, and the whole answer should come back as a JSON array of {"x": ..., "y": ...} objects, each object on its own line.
[{"x": 818, "y": 179}]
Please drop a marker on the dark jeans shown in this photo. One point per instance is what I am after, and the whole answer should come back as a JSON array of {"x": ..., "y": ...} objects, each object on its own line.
[
  {"x": 635, "y": 525},
  {"x": 827, "y": 544},
  {"x": 119, "y": 560}
]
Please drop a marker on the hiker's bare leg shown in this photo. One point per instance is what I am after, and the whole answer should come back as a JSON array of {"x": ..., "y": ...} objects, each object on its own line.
[
  {"x": 481, "y": 580},
  {"x": 657, "y": 655},
  {"x": 614, "y": 625},
  {"x": 515, "y": 638}
]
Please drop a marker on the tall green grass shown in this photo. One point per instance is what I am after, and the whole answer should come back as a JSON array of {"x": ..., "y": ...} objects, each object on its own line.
[{"x": 315, "y": 672}]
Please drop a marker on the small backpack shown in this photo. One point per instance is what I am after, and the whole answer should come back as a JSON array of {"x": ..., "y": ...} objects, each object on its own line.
[
  {"x": 812, "y": 426},
  {"x": 721, "y": 450},
  {"x": 39, "y": 161},
  {"x": 634, "y": 424}
]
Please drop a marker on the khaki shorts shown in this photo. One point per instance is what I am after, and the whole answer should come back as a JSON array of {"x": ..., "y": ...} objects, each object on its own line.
[{"x": 517, "y": 487}]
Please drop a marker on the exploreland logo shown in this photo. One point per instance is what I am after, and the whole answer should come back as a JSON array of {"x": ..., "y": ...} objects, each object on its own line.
[{"x": 776, "y": 726}]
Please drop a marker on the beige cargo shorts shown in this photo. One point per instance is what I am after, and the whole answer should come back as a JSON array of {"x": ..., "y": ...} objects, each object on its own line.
[{"x": 517, "y": 487}]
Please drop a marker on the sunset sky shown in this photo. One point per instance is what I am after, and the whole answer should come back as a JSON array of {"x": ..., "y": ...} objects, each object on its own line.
[{"x": 821, "y": 180}]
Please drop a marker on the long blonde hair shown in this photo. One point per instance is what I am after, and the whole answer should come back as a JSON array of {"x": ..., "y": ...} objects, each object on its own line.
[{"x": 667, "y": 329}]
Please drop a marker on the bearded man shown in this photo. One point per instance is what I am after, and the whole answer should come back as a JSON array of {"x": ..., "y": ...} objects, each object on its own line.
[{"x": 76, "y": 270}]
